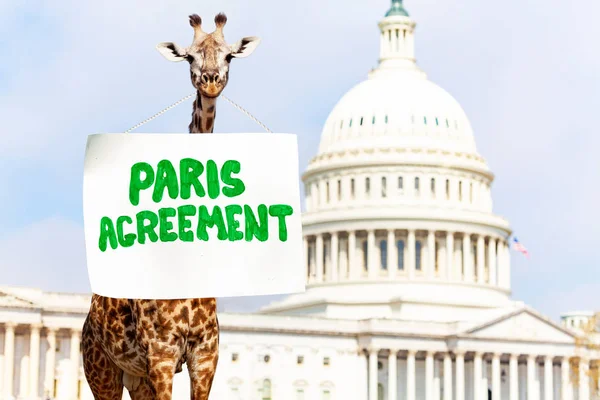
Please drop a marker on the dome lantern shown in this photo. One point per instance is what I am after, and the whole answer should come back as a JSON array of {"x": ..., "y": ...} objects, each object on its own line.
[{"x": 397, "y": 49}]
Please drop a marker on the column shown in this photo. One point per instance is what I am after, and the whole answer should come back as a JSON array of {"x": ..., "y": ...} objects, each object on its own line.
[
  {"x": 492, "y": 261},
  {"x": 319, "y": 260},
  {"x": 584, "y": 379},
  {"x": 373, "y": 373},
  {"x": 514, "y": 377},
  {"x": 481, "y": 259},
  {"x": 352, "y": 255},
  {"x": 565, "y": 384},
  {"x": 392, "y": 374},
  {"x": 460, "y": 375},
  {"x": 410, "y": 375},
  {"x": 335, "y": 244},
  {"x": 306, "y": 262},
  {"x": 9, "y": 358},
  {"x": 496, "y": 376},
  {"x": 449, "y": 254},
  {"x": 429, "y": 371},
  {"x": 392, "y": 254},
  {"x": 430, "y": 254},
  {"x": 531, "y": 364},
  {"x": 467, "y": 258},
  {"x": 50, "y": 363},
  {"x": 75, "y": 352},
  {"x": 477, "y": 373},
  {"x": 411, "y": 253},
  {"x": 548, "y": 382},
  {"x": 447, "y": 377},
  {"x": 34, "y": 360},
  {"x": 372, "y": 264}
]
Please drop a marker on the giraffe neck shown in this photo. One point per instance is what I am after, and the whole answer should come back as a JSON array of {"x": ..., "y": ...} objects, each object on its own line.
[{"x": 203, "y": 116}]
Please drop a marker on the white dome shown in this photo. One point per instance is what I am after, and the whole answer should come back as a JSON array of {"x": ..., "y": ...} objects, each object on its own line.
[{"x": 397, "y": 109}]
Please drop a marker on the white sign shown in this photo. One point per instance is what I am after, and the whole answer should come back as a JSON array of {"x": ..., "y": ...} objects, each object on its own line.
[{"x": 175, "y": 216}]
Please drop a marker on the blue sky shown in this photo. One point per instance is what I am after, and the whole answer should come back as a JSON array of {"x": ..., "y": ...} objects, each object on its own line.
[{"x": 525, "y": 71}]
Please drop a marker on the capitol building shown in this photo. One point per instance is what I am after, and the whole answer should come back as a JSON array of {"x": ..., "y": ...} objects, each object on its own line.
[{"x": 407, "y": 266}]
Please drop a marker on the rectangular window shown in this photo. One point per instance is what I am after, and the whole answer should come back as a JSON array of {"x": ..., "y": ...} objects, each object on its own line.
[
  {"x": 418, "y": 251},
  {"x": 433, "y": 186},
  {"x": 367, "y": 186},
  {"x": 471, "y": 192},
  {"x": 352, "y": 187},
  {"x": 383, "y": 187},
  {"x": 300, "y": 360},
  {"x": 339, "y": 189},
  {"x": 400, "y": 183},
  {"x": 383, "y": 254},
  {"x": 447, "y": 189},
  {"x": 460, "y": 196},
  {"x": 400, "y": 248},
  {"x": 299, "y": 394},
  {"x": 365, "y": 254},
  {"x": 437, "y": 257}
]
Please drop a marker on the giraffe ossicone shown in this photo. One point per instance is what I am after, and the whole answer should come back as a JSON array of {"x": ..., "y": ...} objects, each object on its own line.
[
  {"x": 142, "y": 344},
  {"x": 209, "y": 57}
]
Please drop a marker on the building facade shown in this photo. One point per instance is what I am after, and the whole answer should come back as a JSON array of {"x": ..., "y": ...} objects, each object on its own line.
[{"x": 408, "y": 272}]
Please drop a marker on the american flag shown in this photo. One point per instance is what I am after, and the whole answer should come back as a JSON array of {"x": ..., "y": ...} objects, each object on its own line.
[{"x": 519, "y": 247}]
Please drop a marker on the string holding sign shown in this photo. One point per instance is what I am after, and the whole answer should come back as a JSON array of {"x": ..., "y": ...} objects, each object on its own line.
[{"x": 240, "y": 108}]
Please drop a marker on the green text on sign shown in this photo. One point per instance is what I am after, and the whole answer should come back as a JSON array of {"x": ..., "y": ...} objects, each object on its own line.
[{"x": 188, "y": 223}]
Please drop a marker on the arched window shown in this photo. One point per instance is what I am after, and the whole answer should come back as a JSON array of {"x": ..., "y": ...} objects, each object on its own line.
[
  {"x": 339, "y": 189},
  {"x": 418, "y": 250},
  {"x": 383, "y": 187},
  {"x": 365, "y": 254},
  {"x": 460, "y": 196},
  {"x": 417, "y": 184},
  {"x": 433, "y": 186},
  {"x": 368, "y": 186},
  {"x": 352, "y": 188},
  {"x": 327, "y": 191},
  {"x": 400, "y": 183},
  {"x": 400, "y": 248},
  {"x": 326, "y": 394},
  {"x": 447, "y": 189},
  {"x": 265, "y": 390},
  {"x": 299, "y": 394},
  {"x": 383, "y": 254}
]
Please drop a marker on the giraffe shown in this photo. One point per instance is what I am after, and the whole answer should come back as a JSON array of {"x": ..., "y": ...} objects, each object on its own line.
[
  {"x": 141, "y": 344},
  {"x": 209, "y": 57}
]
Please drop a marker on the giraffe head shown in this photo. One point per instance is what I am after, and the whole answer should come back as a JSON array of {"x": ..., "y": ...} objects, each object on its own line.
[{"x": 209, "y": 55}]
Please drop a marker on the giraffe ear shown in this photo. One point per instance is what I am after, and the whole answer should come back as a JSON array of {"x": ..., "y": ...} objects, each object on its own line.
[
  {"x": 244, "y": 47},
  {"x": 171, "y": 51}
]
